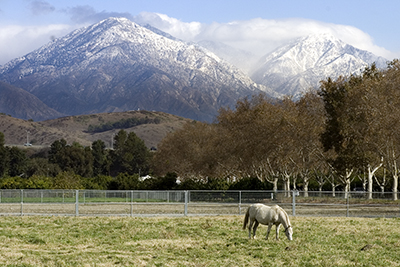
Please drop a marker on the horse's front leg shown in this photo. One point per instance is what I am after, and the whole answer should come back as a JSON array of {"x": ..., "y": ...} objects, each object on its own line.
[
  {"x": 277, "y": 231},
  {"x": 269, "y": 230}
]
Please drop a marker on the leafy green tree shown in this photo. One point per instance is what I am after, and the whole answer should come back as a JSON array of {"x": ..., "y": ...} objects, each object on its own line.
[
  {"x": 38, "y": 182},
  {"x": 68, "y": 180},
  {"x": 8, "y": 182},
  {"x": 99, "y": 182}
]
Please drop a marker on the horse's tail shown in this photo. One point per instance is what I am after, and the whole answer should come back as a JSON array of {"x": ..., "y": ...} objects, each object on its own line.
[{"x": 246, "y": 218}]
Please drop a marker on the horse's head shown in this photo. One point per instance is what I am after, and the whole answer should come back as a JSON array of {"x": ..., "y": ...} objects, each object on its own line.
[{"x": 289, "y": 232}]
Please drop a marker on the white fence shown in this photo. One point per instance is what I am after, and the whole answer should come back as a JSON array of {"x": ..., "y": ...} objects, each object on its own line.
[{"x": 193, "y": 203}]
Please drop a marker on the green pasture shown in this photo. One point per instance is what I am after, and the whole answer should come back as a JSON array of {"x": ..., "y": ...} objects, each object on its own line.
[{"x": 195, "y": 241}]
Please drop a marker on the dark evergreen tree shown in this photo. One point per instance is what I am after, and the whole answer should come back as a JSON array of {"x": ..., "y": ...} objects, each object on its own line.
[
  {"x": 100, "y": 162},
  {"x": 3, "y": 156},
  {"x": 18, "y": 162},
  {"x": 72, "y": 158},
  {"x": 130, "y": 155}
]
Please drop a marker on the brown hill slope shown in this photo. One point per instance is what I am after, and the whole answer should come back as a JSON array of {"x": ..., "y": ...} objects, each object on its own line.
[
  {"x": 21, "y": 104},
  {"x": 75, "y": 128}
]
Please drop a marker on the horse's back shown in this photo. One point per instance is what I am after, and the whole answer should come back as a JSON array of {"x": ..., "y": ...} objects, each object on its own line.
[{"x": 263, "y": 213}]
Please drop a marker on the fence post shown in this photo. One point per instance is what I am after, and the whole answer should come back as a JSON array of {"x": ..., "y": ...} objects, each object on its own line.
[
  {"x": 22, "y": 202},
  {"x": 294, "y": 194},
  {"x": 131, "y": 203},
  {"x": 76, "y": 202},
  {"x": 186, "y": 203},
  {"x": 240, "y": 202}
]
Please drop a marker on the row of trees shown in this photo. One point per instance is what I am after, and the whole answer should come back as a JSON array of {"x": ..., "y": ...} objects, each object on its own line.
[
  {"x": 65, "y": 166},
  {"x": 126, "y": 167},
  {"x": 346, "y": 132}
]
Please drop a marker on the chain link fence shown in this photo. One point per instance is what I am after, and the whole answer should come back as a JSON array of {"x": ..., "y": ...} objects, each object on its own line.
[{"x": 193, "y": 203}]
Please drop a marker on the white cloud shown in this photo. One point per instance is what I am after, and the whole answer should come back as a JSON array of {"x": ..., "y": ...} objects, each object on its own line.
[
  {"x": 16, "y": 40},
  {"x": 259, "y": 36},
  {"x": 183, "y": 30}
]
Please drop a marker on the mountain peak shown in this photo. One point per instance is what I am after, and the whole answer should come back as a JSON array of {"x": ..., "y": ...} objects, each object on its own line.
[
  {"x": 324, "y": 37},
  {"x": 304, "y": 62}
]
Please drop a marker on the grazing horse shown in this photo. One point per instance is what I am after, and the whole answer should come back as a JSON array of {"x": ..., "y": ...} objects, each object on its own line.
[{"x": 275, "y": 215}]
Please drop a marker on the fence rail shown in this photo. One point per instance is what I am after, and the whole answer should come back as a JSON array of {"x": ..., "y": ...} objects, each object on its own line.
[{"x": 193, "y": 203}]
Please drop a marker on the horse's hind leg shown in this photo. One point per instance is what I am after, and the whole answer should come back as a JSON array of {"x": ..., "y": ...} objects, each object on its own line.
[
  {"x": 250, "y": 226},
  {"x": 255, "y": 228}
]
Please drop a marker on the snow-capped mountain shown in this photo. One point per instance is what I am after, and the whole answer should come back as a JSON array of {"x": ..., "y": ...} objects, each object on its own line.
[
  {"x": 302, "y": 64},
  {"x": 118, "y": 65}
]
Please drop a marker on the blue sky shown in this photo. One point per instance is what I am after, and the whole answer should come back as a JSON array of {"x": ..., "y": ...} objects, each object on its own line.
[{"x": 254, "y": 25}]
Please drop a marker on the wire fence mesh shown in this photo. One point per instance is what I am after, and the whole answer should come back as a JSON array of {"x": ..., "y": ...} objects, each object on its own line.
[{"x": 194, "y": 203}]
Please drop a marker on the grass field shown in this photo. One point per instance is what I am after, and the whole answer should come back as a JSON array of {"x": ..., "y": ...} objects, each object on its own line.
[{"x": 195, "y": 241}]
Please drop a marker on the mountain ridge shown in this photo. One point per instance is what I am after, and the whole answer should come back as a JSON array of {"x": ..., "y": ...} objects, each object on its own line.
[
  {"x": 117, "y": 65},
  {"x": 21, "y": 104}
]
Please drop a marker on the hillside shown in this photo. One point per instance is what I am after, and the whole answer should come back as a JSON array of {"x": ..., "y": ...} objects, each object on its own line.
[
  {"x": 75, "y": 128},
  {"x": 22, "y": 104}
]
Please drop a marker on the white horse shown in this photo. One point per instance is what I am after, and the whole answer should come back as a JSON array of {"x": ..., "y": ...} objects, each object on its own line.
[{"x": 260, "y": 213}]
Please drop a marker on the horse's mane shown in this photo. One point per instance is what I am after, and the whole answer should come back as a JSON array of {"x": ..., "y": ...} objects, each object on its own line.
[{"x": 282, "y": 211}]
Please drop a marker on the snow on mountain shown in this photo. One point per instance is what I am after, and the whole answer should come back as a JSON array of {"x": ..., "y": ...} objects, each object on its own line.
[
  {"x": 302, "y": 64},
  {"x": 118, "y": 65}
]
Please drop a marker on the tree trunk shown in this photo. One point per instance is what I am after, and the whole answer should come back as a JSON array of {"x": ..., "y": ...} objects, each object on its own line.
[
  {"x": 275, "y": 183},
  {"x": 346, "y": 188},
  {"x": 347, "y": 182},
  {"x": 305, "y": 188},
  {"x": 370, "y": 179},
  {"x": 395, "y": 185}
]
